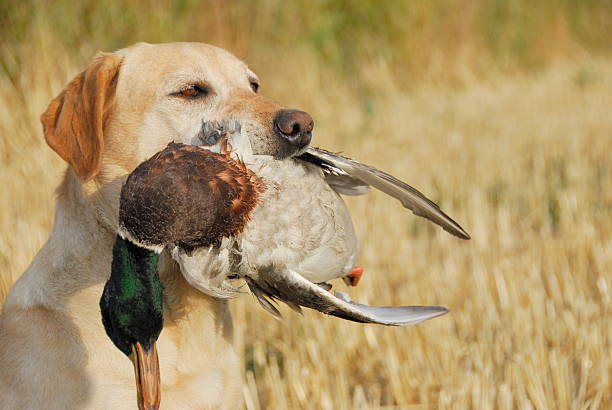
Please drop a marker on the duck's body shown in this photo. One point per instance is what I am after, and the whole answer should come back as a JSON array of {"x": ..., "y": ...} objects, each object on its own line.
[
  {"x": 301, "y": 235},
  {"x": 300, "y": 222}
]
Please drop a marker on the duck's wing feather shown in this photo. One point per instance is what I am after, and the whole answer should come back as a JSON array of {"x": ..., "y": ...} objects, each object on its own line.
[
  {"x": 341, "y": 181},
  {"x": 351, "y": 177},
  {"x": 290, "y": 287}
]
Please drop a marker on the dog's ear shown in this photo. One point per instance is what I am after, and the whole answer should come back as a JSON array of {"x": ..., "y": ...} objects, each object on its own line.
[{"x": 74, "y": 122}]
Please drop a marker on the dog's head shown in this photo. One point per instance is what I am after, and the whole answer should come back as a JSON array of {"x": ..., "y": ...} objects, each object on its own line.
[{"x": 128, "y": 105}]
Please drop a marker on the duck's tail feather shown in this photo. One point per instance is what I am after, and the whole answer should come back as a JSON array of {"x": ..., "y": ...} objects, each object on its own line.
[{"x": 290, "y": 287}]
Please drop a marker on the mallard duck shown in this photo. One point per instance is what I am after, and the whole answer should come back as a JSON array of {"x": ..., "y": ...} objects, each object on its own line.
[
  {"x": 301, "y": 235},
  {"x": 226, "y": 214},
  {"x": 185, "y": 196}
]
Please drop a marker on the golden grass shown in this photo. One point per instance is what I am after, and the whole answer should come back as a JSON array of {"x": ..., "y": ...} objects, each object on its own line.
[
  {"x": 522, "y": 161},
  {"x": 524, "y": 164}
]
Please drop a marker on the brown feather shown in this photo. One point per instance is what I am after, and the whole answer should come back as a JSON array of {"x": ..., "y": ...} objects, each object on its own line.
[{"x": 189, "y": 196}]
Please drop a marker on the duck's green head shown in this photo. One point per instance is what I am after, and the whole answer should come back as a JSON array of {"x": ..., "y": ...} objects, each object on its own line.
[{"x": 132, "y": 314}]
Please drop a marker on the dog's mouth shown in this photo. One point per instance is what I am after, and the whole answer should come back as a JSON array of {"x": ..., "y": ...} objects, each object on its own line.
[
  {"x": 212, "y": 133},
  {"x": 230, "y": 136}
]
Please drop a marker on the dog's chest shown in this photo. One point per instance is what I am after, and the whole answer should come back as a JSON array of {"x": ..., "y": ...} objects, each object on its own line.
[{"x": 199, "y": 367}]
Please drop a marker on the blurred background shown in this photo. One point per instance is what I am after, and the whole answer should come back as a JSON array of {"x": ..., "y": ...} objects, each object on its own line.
[{"x": 498, "y": 110}]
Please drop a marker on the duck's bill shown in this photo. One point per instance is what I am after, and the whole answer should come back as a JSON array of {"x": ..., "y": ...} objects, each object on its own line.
[
  {"x": 296, "y": 291},
  {"x": 146, "y": 370},
  {"x": 351, "y": 177}
]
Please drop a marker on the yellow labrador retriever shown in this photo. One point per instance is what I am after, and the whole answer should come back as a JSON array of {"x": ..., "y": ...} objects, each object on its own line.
[{"x": 127, "y": 105}]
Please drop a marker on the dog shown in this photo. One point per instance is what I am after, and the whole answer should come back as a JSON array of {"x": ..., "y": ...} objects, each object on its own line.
[{"x": 122, "y": 109}]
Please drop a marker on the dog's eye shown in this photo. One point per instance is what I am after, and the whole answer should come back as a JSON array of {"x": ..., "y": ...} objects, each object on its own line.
[
  {"x": 192, "y": 91},
  {"x": 254, "y": 86}
]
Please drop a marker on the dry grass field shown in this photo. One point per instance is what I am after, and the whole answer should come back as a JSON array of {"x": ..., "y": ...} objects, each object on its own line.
[{"x": 518, "y": 152}]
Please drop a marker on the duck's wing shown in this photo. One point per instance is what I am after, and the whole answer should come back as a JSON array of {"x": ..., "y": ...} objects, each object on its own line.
[
  {"x": 290, "y": 287},
  {"x": 351, "y": 177}
]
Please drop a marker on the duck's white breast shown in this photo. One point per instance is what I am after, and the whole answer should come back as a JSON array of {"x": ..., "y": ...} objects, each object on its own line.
[{"x": 300, "y": 223}]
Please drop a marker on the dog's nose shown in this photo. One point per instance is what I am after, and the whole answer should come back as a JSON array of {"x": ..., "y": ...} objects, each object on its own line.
[{"x": 295, "y": 126}]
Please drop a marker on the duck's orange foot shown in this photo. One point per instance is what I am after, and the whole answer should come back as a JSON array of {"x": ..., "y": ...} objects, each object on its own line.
[{"x": 353, "y": 278}]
